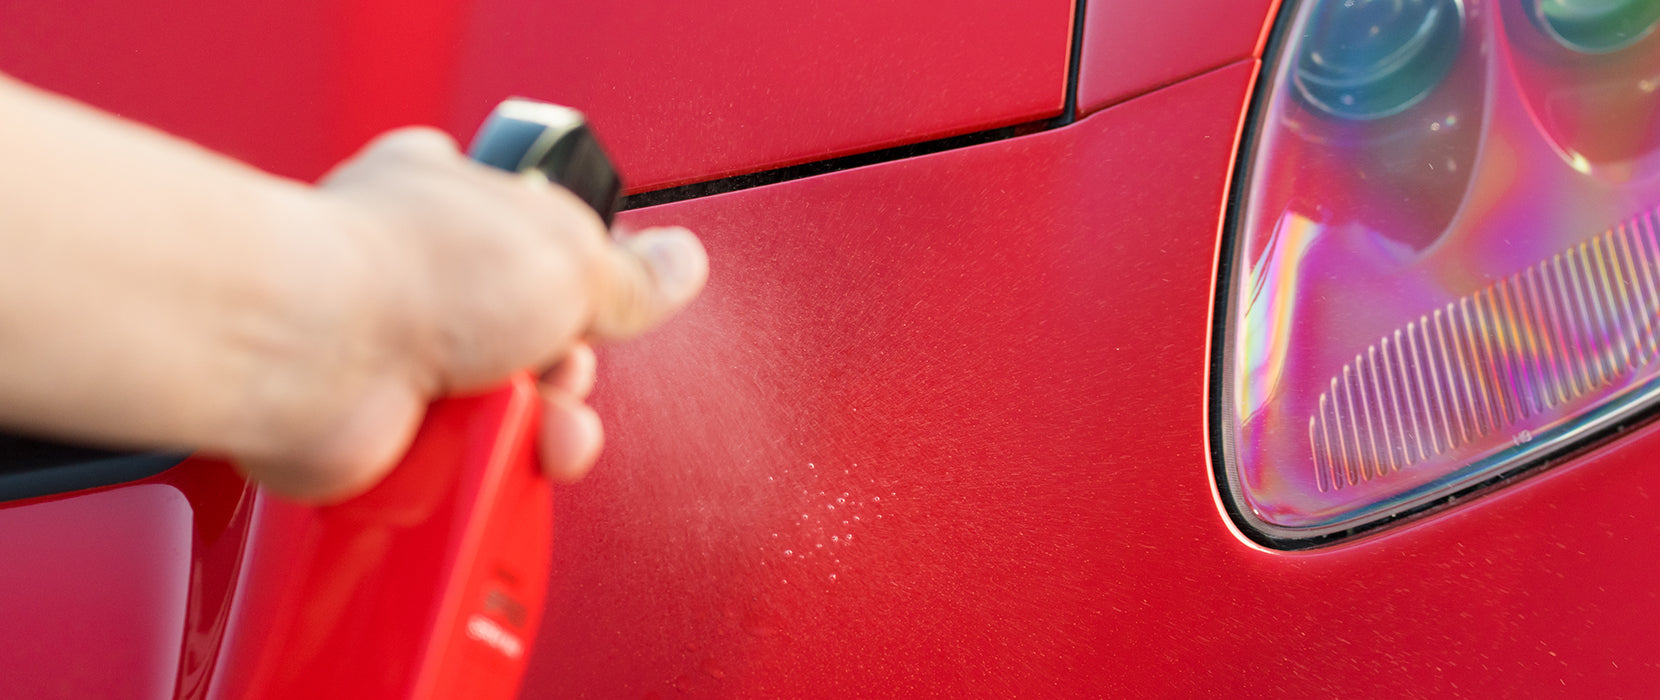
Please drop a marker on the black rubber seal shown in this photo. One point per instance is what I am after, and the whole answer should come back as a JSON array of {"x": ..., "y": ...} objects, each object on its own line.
[
  {"x": 1068, "y": 115},
  {"x": 31, "y": 468}
]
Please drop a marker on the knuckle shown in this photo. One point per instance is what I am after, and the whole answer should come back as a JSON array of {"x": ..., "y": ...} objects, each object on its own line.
[{"x": 415, "y": 143}]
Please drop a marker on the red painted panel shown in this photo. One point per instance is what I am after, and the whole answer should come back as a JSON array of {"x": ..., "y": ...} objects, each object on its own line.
[
  {"x": 1133, "y": 47},
  {"x": 691, "y": 91},
  {"x": 680, "y": 92},
  {"x": 261, "y": 81},
  {"x": 121, "y": 592},
  {"x": 72, "y": 631},
  {"x": 987, "y": 367},
  {"x": 989, "y": 363}
]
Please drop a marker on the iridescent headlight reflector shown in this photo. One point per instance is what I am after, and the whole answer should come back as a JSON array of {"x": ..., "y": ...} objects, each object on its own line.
[{"x": 1445, "y": 262}]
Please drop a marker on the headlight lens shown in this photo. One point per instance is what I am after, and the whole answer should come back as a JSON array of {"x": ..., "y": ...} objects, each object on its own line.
[
  {"x": 1445, "y": 264},
  {"x": 1362, "y": 60},
  {"x": 1597, "y": 26}
]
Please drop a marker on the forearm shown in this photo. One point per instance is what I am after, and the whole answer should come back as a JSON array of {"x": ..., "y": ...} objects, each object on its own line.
[
  {"x": 153, "y": 294},
  {"x": 149, "y": 289}
]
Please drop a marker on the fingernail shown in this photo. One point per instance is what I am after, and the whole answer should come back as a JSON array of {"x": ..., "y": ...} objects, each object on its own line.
[{"x": 677, "y": 260}]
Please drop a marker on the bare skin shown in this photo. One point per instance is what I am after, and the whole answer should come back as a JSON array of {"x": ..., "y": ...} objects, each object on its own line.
[{"x": 157, "y": 295}]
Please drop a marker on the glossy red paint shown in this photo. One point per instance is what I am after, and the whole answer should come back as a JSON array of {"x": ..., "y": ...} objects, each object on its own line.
[
  {"x": 1007, "y": 346},
  {"x": 989, "y": 362},
  {"x": 1130, "y": 48},
  {"x": 266, "y": 82},
  {"x": 985, "y": 365},
  {"x": 681, "y": 92},
  {"x": 428, "y": 586},
  {"x": 187, "y": 585},
  {"x": 121, "y": 592}
]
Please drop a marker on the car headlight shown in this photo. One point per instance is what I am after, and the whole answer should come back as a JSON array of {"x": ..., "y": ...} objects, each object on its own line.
[{"x": 1443, "y": 265}]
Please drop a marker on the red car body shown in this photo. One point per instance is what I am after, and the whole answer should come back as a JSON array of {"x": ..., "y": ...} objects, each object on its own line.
[{"x": 938, "y": 426}]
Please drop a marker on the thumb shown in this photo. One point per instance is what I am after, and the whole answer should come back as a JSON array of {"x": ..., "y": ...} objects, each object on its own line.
[{"x": 646, "y": 278}]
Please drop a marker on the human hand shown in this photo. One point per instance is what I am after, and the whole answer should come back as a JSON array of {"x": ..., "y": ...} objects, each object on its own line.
[{"x": 469, "y": 274}]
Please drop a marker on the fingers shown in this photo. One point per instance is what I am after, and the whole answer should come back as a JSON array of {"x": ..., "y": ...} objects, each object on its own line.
[
  {"x": 419, "y": 142},
  {"x": 570, "y": 436},
  {"x": 633, "y": 284},
  {"x": 573, "y": 375},
  {"x": 648, "y": 277},
  {"x": 418, "y": 147},
  {"x": 645, "y": 279},
  {"x": 487, "y": 273}
]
